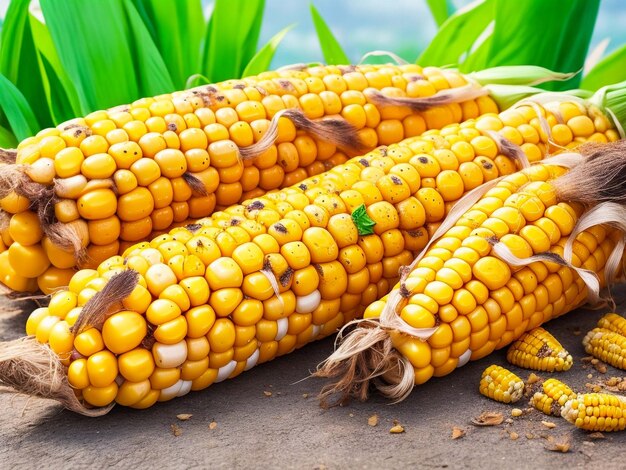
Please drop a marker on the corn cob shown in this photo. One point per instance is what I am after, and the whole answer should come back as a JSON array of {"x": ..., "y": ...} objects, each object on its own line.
[
  {"x": 495, "y": 272},
  {"x": 539, "y": 350},
  {"x": 553, "y": 396},
  {"x": 596, "y": 412},
  {"x": 613, "y": 322},
  {"x": 101, "y": 183},
  {"x": 501, "y": 385},
  {"x": 450, "y": 161},
  {"x": 606, "y": 345}
]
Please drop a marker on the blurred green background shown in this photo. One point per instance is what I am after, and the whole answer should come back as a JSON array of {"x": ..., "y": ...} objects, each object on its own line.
[
  {"x": 403, "y": 26},
  {"x": 65, "y": 58}
]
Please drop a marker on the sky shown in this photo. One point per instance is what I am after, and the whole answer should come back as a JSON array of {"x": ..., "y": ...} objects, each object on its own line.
[{"x": 402, "y": 26}]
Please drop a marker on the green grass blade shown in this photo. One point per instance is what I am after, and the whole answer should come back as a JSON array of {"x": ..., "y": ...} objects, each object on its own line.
[
  {"x": 331, "y": 49},
  {"x": 231, "y": 38},
  {"x": 152, "y": 74},
  {"x": 92, "y": 41},
  {"x": 606, "y": 72},
  {"x": 7, "y": 139},
  {"x": 177, "y": 29},
  {"x": 526, "y": 33},
  {"x": 262, "y": 59},
  {"x": 18, "y": 112},
  {"x": 457, "y": 35},
  {"x": 60, "y": 92},
  {"x": 440, "y": 9},
  {"x": 18, "y": 58}
]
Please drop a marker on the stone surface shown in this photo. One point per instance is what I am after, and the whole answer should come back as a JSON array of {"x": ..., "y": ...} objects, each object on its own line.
[{"x": 289, "y": 430}]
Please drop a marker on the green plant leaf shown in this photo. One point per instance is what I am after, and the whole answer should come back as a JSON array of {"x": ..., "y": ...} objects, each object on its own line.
[
  {"x": 60, "y": 92},
  {"x": 231, "y": 38},
  {"x": 153, "y": 77},
  {"x": 18, "y": 113},
  {"x": 331, "y": 49},
  {"x": 363, "y": 222},
  {"x": 440, "y": 9},
  {"x": 92, "y": 41},
  {"x": 606, "y": 72},
  {"x": 7, "y": 139},
  {"x": 177, "y": 28},
  {"x": 18, "y": 58},
  {"x": 262, "y": 60},
  {"x": 526, "y": 33},
  {"x": 458, "y": 33}
]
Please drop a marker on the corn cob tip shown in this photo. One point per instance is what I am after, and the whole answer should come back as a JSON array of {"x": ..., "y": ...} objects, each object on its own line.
[
  {"x": 33, "y": 369},
  {"x": 501, "y": 385},
  {"x": 539, "y": 350},
  {"x": 602, "y": 412},
  {"x": 606, "y": 345}
]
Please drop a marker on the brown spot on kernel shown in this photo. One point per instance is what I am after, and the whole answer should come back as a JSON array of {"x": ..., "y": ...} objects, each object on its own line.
[
  {"x": 364, "y": 162},
  {"x": 193, "y": 227},
  {"x": 234, "y": 222},
  {"x": 280, "y": 228},
  {"x": 487, "y": 165},
  {"x": 285, "y": 277},
  {"x": 172, "y": 127},
  {"x": 396, "y": 180},
  {"x": 255, "y": 206},
  {"x": 544, "y": 351},
  {"x": 423, "y": 160},
  {"x": 303, "y": 187},
  {"x": 239, "y": 86}
]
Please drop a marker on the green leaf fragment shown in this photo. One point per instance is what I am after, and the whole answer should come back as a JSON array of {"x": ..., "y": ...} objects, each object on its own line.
[
  {"x": 364, "y": 224},
  {"x": 332, "y": 51}
]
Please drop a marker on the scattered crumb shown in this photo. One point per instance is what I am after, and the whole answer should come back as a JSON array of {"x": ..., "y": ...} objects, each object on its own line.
[
  {"x": 533, "y": 378},
  {"x": 622, "y": 386},
  {"x": 212, "y": 425},
  {"x": 560, "y": 445},
  {"x": 596, "y": 435},
  {"x": 613, "y": 381},
  {"x": 590, "y": 376},
  {"x": 176, "y": 430},
  {"x": 508, "y": 421},
  {"x": 530, "y": 435},
  {"x": 549, "y": 424},
  {"x": 184, "y": 416},
  {"x": 577, "y": 332},
  {"x": 305, "y": 395},
  {"x": 488, "y": 418},
  {"x": 514, "y": 436},
  {"x": 372, "y": 420},
  {"x": 587, "y": 359},
  {"x": 396, "y": 429},
  {"x": 267, "y": 393},
  {"x": 351, "y": 415},
  {"x": 457, "y": 432},
  {"x": 320, "y": 467},
  {"x": 515, "y": 412}
]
